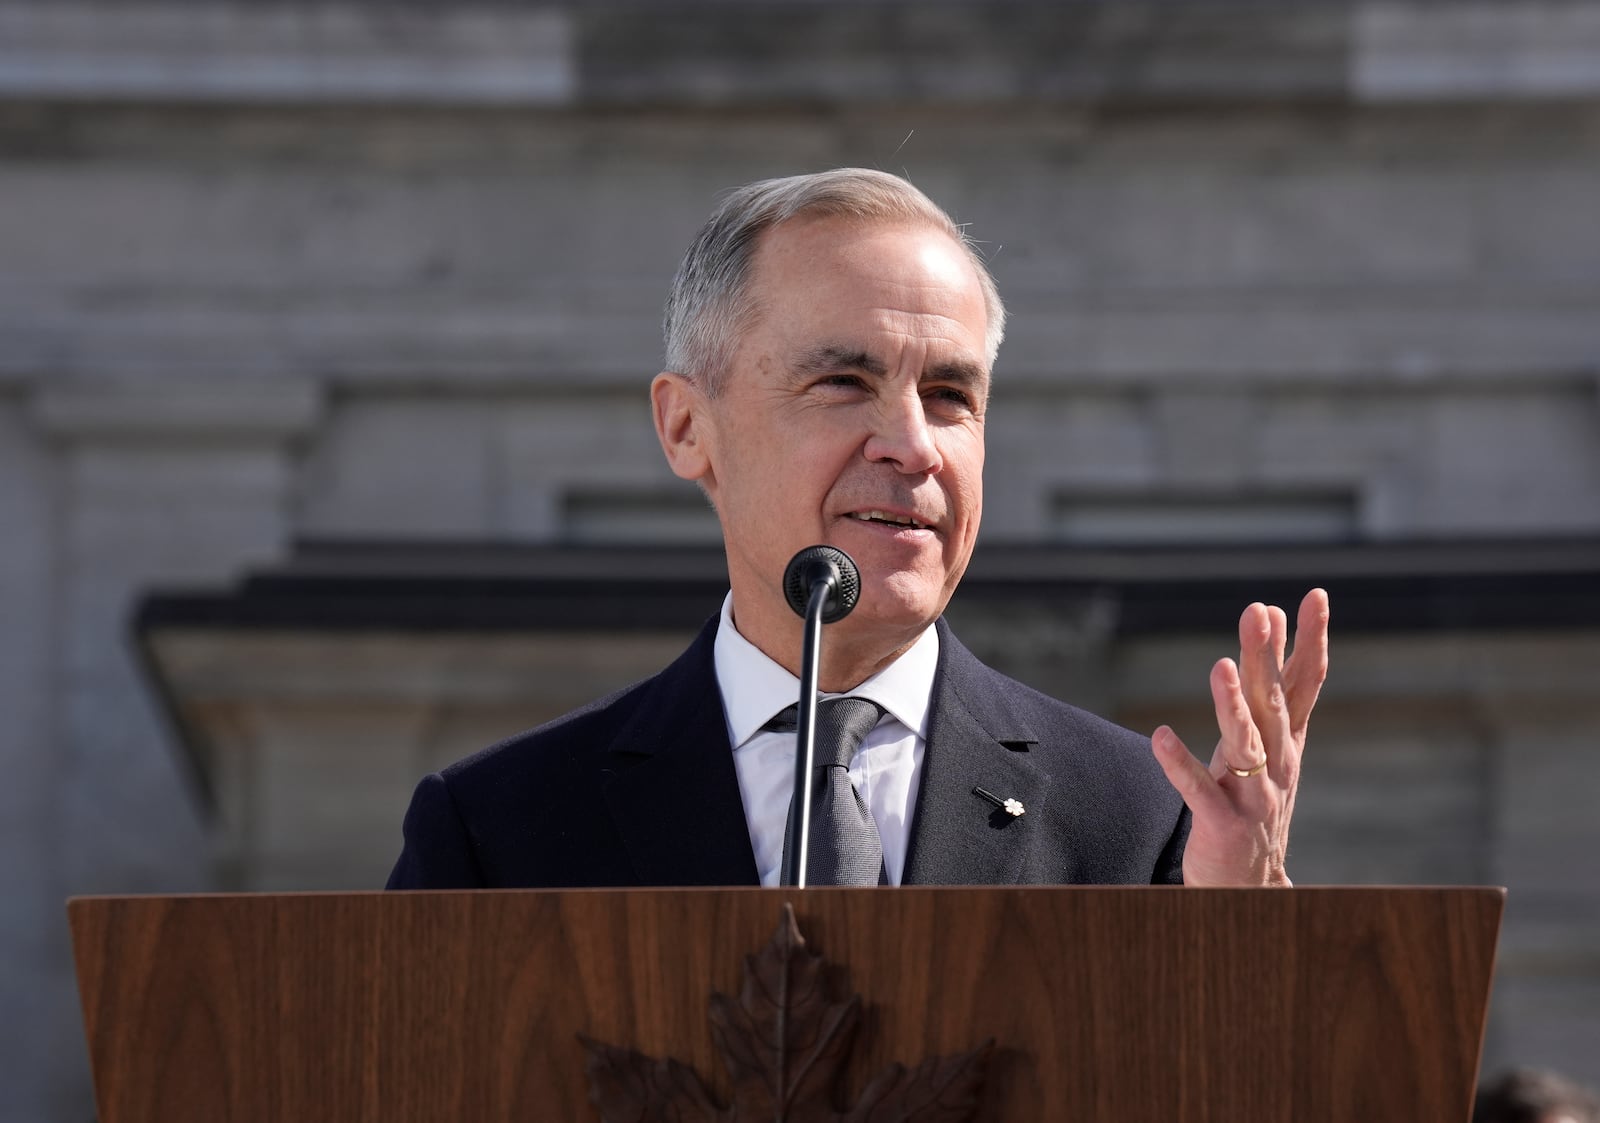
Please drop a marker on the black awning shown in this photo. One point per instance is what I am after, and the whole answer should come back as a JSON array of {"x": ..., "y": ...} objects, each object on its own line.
[{"x": 1497, "y": 585}]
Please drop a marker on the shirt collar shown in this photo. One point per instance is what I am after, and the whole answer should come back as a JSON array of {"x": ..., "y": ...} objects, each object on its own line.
[{"x": 754, "y": 688}]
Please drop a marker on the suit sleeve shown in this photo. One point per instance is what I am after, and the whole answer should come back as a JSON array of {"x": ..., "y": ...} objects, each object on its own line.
[
  {"x": 1169, "y": 866},
  {"x": 438, "y": 851}
]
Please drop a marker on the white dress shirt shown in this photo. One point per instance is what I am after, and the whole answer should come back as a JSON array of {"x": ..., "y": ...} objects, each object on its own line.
[{"x": 885, "y": 770}]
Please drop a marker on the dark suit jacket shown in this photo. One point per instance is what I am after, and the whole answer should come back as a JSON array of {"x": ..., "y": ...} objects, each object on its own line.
[{"x": 640, "y": 789}]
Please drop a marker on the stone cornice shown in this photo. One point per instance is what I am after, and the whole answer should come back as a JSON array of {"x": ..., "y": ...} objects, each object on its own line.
[
  {"x": 166, "y": 50},
  {"x": 816, "y": 52},
  {"x": 1481, "y": 50},
  {"x": 275, "y": 410}
]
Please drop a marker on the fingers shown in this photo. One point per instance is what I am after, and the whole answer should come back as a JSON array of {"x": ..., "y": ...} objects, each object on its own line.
[
  {"x": 1187, "y": 775},
  {"x": 1306, "y": 669},
  {"x": 1263, "y": 635},
  {"x": 1240, "y": 745}
]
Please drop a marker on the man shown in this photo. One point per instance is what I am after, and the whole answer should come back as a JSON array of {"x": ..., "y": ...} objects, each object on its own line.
[{"x": 829, "y": 346}]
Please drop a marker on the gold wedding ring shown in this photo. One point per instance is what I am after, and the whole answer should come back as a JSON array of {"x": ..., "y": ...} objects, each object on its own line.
[{"x": 1246, "y": 773}]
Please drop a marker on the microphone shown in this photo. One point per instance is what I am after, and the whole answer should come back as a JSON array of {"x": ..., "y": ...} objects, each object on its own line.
[
  {"x": 822, "y": 585},
  {"x": 822, "y": 563}
]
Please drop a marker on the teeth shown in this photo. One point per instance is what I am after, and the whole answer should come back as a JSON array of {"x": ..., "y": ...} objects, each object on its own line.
[{"x": 885, "y": 517}]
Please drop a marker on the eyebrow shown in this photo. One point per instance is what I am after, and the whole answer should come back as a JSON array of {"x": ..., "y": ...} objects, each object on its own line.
[{"x": 833, "y": 357}]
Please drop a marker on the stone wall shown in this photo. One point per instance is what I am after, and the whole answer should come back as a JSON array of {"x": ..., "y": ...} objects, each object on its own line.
[{"x": 361, "y": 271}]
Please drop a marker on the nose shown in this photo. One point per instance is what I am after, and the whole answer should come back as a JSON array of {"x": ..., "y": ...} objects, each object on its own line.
[{"x": 901, "y": 435}]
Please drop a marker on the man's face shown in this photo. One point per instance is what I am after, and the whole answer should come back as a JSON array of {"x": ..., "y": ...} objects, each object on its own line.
[{"x": 852, "y": 415}]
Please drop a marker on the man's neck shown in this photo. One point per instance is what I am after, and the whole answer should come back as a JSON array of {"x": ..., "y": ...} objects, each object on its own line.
[
  {"x": 842, "y": 671},
  {"x": 850, "y": 656}
]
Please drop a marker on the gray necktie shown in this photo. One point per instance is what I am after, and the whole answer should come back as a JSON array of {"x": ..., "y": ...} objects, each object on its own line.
[{"x": 845, "y": 848}]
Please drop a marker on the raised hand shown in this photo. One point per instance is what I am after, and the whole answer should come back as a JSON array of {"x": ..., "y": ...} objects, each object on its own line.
[{"x": 1243, "y": 801}]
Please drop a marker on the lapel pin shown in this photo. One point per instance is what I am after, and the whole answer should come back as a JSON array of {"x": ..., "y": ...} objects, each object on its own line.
[{"x": 1012, "y": 807}]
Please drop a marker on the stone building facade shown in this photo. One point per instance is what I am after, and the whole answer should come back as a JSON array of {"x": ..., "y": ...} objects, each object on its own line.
[{"x": 296, "y": 299}]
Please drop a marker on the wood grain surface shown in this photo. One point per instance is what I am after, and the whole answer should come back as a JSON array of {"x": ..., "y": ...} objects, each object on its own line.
[{"x": 1158, "y": 1004}]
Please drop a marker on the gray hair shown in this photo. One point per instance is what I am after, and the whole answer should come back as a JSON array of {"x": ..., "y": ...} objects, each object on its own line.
[{"x": 710, "y": 301}]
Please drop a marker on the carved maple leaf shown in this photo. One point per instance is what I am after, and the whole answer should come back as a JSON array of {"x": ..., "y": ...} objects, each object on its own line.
[
  {"x": 629, "y": 1087},
  {"x": 785, "y": 1043}
]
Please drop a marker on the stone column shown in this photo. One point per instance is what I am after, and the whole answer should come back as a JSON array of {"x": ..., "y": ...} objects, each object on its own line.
[
  {"x": 1547, "y": 985},
  {"x": 39, "y": 1018},
  {"x": 151, "y": 483}
]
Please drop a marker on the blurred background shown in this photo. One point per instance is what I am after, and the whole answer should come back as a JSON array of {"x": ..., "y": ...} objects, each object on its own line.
[{"x": 326, "y": 456}]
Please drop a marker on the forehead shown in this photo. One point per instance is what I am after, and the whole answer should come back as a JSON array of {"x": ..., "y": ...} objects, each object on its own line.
[{"x": 849, "y": 275}]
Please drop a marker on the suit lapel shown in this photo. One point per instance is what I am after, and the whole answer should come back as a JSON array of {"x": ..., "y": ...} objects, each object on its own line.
[
  {"x": 957, "y": 837},
  {"x": 674, "y": 795}
]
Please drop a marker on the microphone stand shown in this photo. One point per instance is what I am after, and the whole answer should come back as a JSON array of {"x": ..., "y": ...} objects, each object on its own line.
[{"x": 805, "y": 746}]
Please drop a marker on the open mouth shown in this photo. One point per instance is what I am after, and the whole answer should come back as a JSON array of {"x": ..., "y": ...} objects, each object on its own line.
[{"x": 887, "y": 519}]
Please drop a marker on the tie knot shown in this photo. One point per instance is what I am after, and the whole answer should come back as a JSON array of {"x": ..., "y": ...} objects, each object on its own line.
[{"x": 842, "y": 724}]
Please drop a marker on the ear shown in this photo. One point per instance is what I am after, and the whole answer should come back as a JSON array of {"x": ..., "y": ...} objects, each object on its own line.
[{"x": 682, "y": 424}]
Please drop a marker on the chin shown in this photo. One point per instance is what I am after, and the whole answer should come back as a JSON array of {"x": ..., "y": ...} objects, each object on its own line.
[{"x": 901, "y": 603}]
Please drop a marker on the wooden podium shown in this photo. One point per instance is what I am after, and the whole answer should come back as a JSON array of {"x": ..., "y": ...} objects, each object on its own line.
[{"x": 1141, "y": 1004}]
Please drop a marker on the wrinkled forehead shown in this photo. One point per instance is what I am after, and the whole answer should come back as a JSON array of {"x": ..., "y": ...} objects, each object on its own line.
[{"x": 838, "y": 271}]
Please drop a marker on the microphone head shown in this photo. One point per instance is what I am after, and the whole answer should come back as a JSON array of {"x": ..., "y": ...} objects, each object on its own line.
[{"x": 822, "y": 563}]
